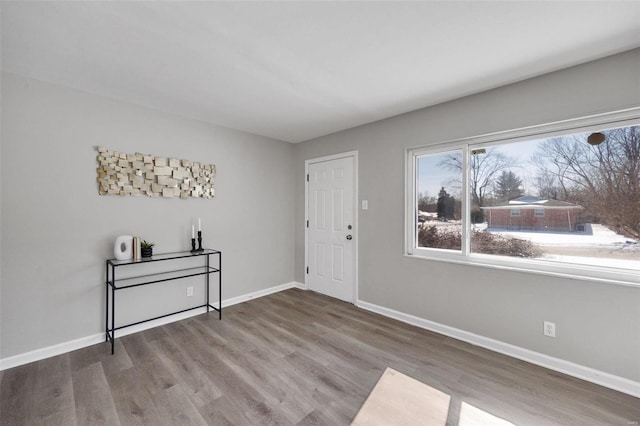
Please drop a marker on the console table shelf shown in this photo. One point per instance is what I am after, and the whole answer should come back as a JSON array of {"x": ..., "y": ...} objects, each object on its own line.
[
  {"x": 163, "y": 276},
  {"x": 117, "y": 284}
]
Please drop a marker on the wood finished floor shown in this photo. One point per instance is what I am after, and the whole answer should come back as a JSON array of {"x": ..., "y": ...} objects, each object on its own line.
[{"x": 291, "y": 358}]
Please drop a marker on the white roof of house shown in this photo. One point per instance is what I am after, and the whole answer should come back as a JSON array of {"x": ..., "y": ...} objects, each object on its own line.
[{"x": 531, "y": 202}]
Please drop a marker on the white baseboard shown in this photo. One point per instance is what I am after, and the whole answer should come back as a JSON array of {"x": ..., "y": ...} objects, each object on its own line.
[
  {"x": 572, "y": 369},
  {"x": 301, "y": 286},
  {"x": 260, "y": 293},
  {"x": 49, "y": 351},
  {"x": 72, "y": 345}
]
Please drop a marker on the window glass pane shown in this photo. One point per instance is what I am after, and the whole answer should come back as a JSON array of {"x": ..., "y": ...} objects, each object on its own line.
[
  {"x": 439, "y": 189},
  {"x": 578, "y": 201}
]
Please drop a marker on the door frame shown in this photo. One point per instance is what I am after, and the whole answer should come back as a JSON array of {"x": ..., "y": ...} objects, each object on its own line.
[{"x": 354, "y": 158}]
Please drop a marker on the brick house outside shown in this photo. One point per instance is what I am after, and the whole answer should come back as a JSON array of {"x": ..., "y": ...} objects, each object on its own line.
[{"x": 532, "y": 213}]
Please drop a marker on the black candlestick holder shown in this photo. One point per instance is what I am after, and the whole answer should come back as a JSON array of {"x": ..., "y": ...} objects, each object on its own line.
[
  {"x": 200, "y": 241},
  {"x": 193, "y": 245}
]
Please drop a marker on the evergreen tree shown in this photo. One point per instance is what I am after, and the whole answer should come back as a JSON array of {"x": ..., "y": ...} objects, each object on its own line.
[
  {"x": 450, "y": 208},
  {"x": 440, "y": 205},
  {"x": 445, "y": 205},
  {"x": 508, "y": 186}
]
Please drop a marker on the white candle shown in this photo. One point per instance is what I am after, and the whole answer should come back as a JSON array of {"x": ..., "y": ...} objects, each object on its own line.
[
  {"x": 199, "y": 225},
  {"x": 193, "y": 231}
]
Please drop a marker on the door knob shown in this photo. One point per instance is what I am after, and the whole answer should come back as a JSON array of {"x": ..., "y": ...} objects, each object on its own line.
[{"x": 349, "y": 237}]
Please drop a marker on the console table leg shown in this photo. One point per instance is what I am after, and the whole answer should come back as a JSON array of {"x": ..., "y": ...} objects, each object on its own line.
[
  {"x": 206, "y": 280},
  {"x": 113, "y": 317},
  {"x": 106, "y": 307}
]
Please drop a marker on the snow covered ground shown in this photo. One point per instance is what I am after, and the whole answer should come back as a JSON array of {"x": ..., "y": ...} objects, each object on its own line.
[
  {"x": 597, "y": 245},
  {"x": 594, "y": 235}
]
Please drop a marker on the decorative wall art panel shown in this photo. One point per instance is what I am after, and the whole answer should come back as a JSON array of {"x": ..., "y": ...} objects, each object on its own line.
[{"x": 141, "y": 174}]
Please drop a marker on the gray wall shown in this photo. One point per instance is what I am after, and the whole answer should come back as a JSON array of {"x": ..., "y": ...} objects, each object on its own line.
[
  {"x": 598, "y": 325},
  {"x": 57, "y": 231}
]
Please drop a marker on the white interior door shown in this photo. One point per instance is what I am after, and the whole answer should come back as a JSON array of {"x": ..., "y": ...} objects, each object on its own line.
[{"x": 331, "y": 228}]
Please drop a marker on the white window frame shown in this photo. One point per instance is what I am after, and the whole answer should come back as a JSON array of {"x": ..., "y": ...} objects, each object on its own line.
[
  {"x": 515, "y": 212},
  {"x": 628, "y": 277},
  {"x": 538, "y": 213}
]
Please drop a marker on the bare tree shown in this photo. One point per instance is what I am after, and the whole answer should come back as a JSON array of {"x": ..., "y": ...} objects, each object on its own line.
[
  {"x": 485, "y": 165},
  {"x": 605, "y": 179},
  {"x": 426, "y": 203},
  {"x": 548, "y": 187}
]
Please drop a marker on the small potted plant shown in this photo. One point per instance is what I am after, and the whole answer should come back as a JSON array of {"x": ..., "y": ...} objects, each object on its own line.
[{"x": 146, "y": 248}]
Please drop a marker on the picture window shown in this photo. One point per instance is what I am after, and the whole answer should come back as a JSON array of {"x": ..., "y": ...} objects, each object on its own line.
[{"x": 544, "y": 200}]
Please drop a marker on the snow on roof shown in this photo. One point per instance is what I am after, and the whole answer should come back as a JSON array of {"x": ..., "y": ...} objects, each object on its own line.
[
  {"x": 531, "y": 202},
  {"x": 528, "y": 200}
]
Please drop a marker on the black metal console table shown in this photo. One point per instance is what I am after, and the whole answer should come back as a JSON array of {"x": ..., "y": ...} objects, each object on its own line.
[{"x": 136, "y": 281}]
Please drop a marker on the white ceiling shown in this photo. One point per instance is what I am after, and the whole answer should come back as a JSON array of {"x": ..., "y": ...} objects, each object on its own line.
[{"x": 298, "y": 70}]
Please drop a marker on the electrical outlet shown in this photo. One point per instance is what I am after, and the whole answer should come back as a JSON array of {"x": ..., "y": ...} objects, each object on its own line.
[
  {"x": 549, "y": 329},
  {"x": 189, "y": 291}
]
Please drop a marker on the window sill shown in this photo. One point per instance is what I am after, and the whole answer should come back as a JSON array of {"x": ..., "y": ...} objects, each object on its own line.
[{"x": 574, "y": 271}]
